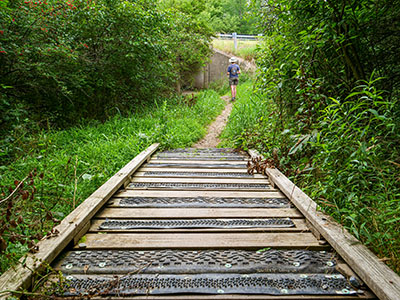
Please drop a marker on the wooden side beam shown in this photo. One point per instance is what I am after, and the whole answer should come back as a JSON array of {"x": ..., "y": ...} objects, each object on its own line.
[
  {"x": 21, "y": 277},
  {"x": 379, "y": 277}
]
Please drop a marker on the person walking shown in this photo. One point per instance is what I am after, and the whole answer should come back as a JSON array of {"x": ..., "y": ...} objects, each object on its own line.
[{"x": 233, "y": 73}]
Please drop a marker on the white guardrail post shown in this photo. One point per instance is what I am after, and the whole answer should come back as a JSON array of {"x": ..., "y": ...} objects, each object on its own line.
[{"x": 234, "y": 36}]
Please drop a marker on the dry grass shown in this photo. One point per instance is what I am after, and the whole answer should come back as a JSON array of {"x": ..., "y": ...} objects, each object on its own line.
[{"x": 245, "y": 49}]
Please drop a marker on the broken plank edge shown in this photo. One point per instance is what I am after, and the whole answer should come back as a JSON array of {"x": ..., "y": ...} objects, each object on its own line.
[
  {"x": 384, "y": 282},
  {"x": 21, "y": 277}
]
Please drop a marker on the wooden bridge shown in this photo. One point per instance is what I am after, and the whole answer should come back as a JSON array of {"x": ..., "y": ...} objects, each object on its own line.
[{"x": 193, "y": 224}]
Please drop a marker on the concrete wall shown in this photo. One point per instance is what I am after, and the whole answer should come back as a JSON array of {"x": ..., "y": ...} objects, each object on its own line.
[
  {"x": 216, "y": 69},
  {"x": 213, "y": 71}
]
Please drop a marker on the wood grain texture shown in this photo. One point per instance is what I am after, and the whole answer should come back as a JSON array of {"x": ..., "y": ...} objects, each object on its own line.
[
  {"x": 20, "y": 277},
  {"x": 235, "y": 240},
  {"x": 379, "y": 277},
  {"x": 203, "y": 213},
  {"x": 194, "y": 174}
]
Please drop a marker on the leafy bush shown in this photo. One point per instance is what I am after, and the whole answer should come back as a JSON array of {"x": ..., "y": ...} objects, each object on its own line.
[
  {"x": 355, "y": 158},
  {"x": 64, "y": 61},
  {"x": 321, "y": 115},
  {"x": 348, "y": 161}
]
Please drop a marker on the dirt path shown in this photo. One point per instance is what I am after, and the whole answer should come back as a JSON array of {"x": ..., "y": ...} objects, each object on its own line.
[{"x": 211, "y": 140}]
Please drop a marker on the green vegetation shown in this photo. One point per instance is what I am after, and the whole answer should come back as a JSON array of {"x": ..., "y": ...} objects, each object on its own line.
[
  {"x": 65, "y": 167},
  {"x": 64, "y": 61},
  {"x": 325, "y": 108},
  {"x": 245, "y": 49},
  {"x": 221, "y": 16}
]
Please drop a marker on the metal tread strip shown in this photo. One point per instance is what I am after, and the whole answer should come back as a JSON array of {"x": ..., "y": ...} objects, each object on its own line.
[
  {"x": 202, "y": 261},
  {"x": 202, "y": 154},
  {"x": 196, "y": 223},
  {"x": 178, "y": 185},
  {"x": 204, "y": 202},
  {"x": 202, "y": 150},
  {"x": 197, "y": 174},
  {"x": 271, "y": 284},
  {"x": 202, "y": 158},
  {"x": 187, "y": 165}
]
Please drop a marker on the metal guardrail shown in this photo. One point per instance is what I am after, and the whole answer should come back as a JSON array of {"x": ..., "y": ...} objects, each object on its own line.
[{"x": 238, "y": 36}]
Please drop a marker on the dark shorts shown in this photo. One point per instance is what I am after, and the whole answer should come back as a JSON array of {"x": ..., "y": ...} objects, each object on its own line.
[{"x": 233, "y": 81}]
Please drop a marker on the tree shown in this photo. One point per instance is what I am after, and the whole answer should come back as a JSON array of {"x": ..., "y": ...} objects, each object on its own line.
[{"x": 67, "y": 60}]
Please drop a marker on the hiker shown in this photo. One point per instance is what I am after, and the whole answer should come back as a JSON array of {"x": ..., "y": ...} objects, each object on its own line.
[{"x": 233, "y": 73}]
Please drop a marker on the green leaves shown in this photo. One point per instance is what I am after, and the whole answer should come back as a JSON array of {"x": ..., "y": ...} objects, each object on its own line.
[
  {"x": 329, "y": 114},
  {"x": 77, "y": 59}
]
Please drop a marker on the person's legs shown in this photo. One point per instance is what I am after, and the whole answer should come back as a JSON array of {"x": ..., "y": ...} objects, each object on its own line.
[
  {"x": 233, "y": 91},
  {"x": 233, "y": 83}
]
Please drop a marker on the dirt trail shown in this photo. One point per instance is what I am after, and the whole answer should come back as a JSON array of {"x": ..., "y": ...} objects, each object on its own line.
[{"x": 211, "y": 140}]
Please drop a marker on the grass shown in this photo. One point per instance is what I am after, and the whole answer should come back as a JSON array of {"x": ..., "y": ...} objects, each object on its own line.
[
  {"x": 64, "y": 167},
  {"x": 246, "y": 113},
  {"x": 245, "y": 49},
  {"x": 348, "y": 180}
]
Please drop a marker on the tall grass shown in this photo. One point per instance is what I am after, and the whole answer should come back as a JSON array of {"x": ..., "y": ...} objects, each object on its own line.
[
  {"x": 67, "y": 166},
  {"x": 348, "y": 162},
  {"x": 247, "y": 113},
  {"x": 245, "y": 49}
]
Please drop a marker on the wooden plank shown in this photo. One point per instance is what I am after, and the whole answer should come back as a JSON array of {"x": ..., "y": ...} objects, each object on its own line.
[
  {"x": 379, "y": 277},
  {"x": 248, "y": 240},
  {"x": 190, "y": 213},
  {"x": 20, "y": 277},
  {"x": 314, "y": 231},
  {"x": 196, "y": 174},
  {"x": 220, "y": 194},
  {"x": 82, "y": 232},
  {"x": 200, "y": 180},
  {"x": 198, "y": 162},
  {"x": 299, "y": 223}
]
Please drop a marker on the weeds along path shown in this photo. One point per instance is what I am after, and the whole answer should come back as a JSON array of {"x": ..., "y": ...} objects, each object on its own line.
[{"x": 214, "y": 130}]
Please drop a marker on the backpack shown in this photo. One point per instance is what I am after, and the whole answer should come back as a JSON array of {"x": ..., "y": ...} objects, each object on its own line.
[{"x": 234, "y": 71}]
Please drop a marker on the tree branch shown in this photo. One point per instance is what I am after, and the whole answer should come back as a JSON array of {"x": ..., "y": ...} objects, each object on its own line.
[{"x": 14, "y": 191}]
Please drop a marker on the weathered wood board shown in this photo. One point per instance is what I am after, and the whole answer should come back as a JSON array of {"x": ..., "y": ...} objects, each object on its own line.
[
  {"x": 186, "y": 213},
  {"x": 252, "y": 240}
]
